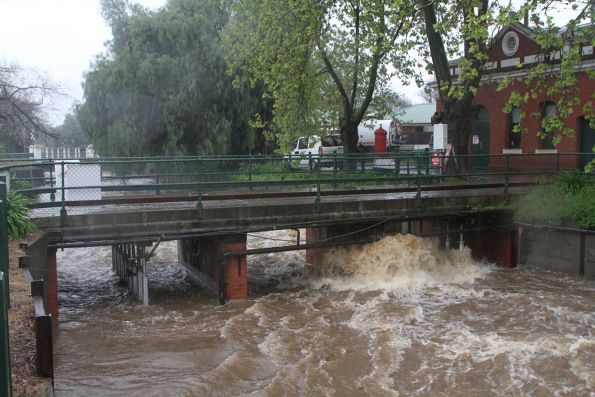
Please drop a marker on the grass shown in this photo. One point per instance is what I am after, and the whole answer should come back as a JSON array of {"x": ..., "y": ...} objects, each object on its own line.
[
  {"x": 571, "y": 197},
  {"x": 281, "y": 171}
]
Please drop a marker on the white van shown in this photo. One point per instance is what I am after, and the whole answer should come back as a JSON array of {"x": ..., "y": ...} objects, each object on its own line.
[
  {"x": 314, "y": 145},
  {"x": 309, "y": 148}
]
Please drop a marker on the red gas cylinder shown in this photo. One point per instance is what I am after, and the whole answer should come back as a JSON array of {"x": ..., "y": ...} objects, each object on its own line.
[{"x": 380, "y": 140}]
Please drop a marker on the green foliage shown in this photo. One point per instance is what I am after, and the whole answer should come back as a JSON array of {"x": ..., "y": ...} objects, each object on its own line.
[
  {"x": 322, "y": 61},
  {"x": 546, "y": 204},
  {"x": 570, "y": 197},
  {"x": 571, "y": 182},
  {"x": 68, "y": 134},
  {"x": 21, "y": 184},
  {"x": 582, "y": 207},
  {"x": 19, "y": 223},
  {"x": 162, "y": 86}
]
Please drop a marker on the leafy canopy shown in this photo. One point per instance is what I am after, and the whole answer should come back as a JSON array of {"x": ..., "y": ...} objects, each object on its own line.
[
  {"x": 321, "y": 61},
  {"x": 162, "y": 86}
]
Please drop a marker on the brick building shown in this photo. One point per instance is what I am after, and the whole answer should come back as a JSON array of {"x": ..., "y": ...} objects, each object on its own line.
[{"x": 512, "y": 53}]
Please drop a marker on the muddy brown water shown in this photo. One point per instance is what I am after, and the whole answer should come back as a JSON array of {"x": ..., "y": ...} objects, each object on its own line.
[{"x": 395, "y": 318}]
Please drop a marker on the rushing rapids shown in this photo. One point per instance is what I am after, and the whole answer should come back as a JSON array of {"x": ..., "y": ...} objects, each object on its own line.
[{"x": 399, "y": 317}]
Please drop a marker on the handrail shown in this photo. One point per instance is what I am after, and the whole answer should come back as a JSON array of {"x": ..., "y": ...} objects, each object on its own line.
[{"x": 48, "y": 185}]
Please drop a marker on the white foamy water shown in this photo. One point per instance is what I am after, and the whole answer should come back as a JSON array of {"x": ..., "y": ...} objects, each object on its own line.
[
  {"x": 400, "y": 317},
  {"x": 396, "y": 263}
]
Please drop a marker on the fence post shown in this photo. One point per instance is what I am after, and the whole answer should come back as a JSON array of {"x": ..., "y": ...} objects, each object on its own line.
[
  {"x": 158, "y": 175},
  {"x": 335, "y": 170},
  {"x": 5, "y": 381},
  {"x": 506, "y": 170},
  {"x": 418, "y": 166},
  {"x": 557, "y": 161},
  {"x": 199, "y": 207},
  {"x": 63, "y": 207},
  {"x": 250, "y": 172},
  {"x": 52, "y": 192},
  {"x": 4, "y": 264},
  {"x": 317, "y": 201}
]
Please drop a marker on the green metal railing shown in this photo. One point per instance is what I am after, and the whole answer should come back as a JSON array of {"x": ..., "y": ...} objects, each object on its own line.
[
  {"x": 49, "y": 183},
  {"x": 4, "y": 264},
  {"x": 5, "y": 381}
]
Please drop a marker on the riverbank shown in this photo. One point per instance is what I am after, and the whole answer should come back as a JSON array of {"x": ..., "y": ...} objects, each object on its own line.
[{"x": 21, "y": 323}]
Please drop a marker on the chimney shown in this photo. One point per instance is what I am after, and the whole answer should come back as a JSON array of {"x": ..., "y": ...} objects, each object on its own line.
[{"x": 526, "y": 18}]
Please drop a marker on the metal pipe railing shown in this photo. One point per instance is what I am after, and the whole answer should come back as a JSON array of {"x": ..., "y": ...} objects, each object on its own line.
[{"x": 205, "y": 175}]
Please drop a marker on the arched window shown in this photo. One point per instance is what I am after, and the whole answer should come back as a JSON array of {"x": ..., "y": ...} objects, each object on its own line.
[
  {"x": 514, "y": 133},
  {"x": 548, "y": 112},
  {"x": 482, "y": 114}
]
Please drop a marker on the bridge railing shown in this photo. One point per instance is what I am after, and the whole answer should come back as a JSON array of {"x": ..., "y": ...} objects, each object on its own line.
[{"x": 62, "y": 186}]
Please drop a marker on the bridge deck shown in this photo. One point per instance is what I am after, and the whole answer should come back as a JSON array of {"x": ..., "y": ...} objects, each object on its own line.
[{"x": 226, "y": 214}]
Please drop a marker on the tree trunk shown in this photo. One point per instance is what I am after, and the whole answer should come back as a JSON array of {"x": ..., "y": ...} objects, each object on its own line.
[
  {"x": 459, "y": 117},
  {"x": 350, "y": 137}
]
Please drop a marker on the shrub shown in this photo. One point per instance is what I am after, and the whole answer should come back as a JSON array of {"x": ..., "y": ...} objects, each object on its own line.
[
  {"x": 570, "y": 197},
  {"x": 546, "y": 204},
  {"x": 19, "y": 223},
  {"x": 582, "y": 208},
  {"x": 571, "y": 182},
  {"x": 21, "y": 184}
]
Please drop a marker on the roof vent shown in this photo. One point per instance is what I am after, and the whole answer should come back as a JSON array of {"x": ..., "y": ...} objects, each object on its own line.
[{"x": 510, "y": 43}]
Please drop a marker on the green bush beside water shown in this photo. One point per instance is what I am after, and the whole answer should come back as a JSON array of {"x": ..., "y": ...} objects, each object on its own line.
[
  {"x": 571, "y": 197},
  {"x": 19, "y": 223}
]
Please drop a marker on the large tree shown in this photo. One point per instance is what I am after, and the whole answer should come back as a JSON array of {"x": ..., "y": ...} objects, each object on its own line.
[
  {"x": 322, "y": 61},
  {"x": 448, "y": 27},
  {"x": 24, "y": 99},
  {"x": 67, "y": 134},
  {"x": 162, "y": 86}
]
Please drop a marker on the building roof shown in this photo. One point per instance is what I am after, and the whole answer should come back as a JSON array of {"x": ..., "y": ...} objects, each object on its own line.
[{"x": 417, "y": 114}]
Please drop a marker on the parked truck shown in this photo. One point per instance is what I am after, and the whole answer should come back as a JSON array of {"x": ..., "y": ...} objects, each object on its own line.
[{"x": 402, "y": 137}]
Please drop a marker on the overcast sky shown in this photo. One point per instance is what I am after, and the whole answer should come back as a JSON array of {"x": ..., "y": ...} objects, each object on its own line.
[{"x": 58, "y": 37}]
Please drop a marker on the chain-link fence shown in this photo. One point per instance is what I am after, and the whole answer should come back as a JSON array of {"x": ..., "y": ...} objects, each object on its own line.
[{"x": 73, "y": 186}]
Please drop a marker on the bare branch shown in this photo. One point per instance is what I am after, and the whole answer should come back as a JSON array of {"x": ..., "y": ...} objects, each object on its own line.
[{"x": 23, "y": 102}]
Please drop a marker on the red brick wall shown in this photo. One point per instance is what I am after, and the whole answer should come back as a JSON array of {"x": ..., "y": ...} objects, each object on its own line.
[
  {"x": 496, "y": 246},
  {"x": 526, "y": 47},
  {"x": 236, "y": 272},
  {"x": 314, "y": 235},
  {"x": 203, "y": 256},
  {"x": 494, "y": 101}
]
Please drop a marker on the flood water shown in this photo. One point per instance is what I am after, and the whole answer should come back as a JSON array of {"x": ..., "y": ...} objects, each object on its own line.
[{"x": 396, "y": 318}]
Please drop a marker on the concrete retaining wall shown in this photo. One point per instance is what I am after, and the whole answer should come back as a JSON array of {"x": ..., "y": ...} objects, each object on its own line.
[
  {"x": 565, "y": 251},
  {"x": 38, "y": 263}
]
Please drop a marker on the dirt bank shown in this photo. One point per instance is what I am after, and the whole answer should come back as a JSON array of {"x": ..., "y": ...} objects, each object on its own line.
[{"x": 21, "y": 329}]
